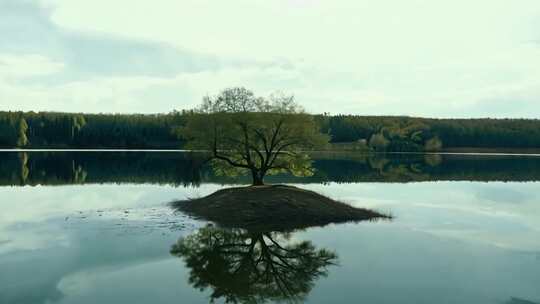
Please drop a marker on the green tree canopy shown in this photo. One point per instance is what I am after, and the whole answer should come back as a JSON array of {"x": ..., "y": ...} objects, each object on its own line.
[
  {"x": 245, "y": 133},
  {"x": 21, "y": 128}
]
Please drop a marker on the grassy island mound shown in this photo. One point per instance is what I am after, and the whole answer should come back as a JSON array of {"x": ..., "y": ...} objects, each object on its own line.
[{"x": 275, "y": 207}]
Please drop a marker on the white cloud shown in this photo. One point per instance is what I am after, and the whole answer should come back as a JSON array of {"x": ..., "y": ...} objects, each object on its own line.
[
  {"x": 312, "y": 87},
  {"x": 14, "y": 66},
  {"x": 343, "y": 31},
  {"x": 422, "y": 58}
]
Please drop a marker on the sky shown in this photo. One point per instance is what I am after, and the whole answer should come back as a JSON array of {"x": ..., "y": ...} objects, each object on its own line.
[{"x": 431, "y": 58}]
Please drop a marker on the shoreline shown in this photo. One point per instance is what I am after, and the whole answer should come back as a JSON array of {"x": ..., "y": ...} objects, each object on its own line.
[{"x": 449, "y": 151}]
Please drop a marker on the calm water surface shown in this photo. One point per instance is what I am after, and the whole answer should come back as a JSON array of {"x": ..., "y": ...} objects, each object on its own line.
[{"x": 80, "y": 228}]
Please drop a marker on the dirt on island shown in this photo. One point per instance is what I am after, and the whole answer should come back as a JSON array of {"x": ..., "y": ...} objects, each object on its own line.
[{"x": 272, "y": 207}]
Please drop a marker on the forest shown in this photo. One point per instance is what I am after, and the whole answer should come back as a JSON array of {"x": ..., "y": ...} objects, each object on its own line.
[
  {"x": 160, "y": 131},
  {"x": 70, "y": 130}
]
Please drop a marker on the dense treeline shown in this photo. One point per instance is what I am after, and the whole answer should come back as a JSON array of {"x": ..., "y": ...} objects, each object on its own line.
[
  {"x": 421, "y": 134},
  {"x": 159, "y": 131},
  {"x": 13, "y": 128},
  {"x": 60, "y": 168},
  {"x": 70, "y": 130}
]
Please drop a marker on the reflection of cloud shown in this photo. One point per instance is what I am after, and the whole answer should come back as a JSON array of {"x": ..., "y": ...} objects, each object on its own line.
[
  {"x": 430, "y": 217},
  {"x": 504, "y": 195},
  {"x": 514, "y": 300},
  {"x": 25, "y": 236},
  {"x": 27, "y": 222},
  {"x": 453, "y": 209},
  {"x": 89, "y": 249}
]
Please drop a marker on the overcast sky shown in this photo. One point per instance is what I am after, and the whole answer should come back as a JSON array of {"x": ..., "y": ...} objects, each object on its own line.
[{"x": 441, "y": 58}]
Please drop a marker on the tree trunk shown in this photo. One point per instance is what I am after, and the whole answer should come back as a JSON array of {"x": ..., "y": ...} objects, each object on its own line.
[{"x": 257, "y": 178}]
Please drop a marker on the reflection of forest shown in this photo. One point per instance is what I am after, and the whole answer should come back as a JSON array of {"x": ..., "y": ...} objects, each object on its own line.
[
  {"x": 55, "y": 168},
  {"x": 243, "y": 267}
]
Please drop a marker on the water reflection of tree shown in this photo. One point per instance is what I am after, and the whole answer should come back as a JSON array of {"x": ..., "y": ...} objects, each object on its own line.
[
  {"x": 54, "y": 168},
  {"x": 252, "y": 267},
  {"x": 23, "y": 158}
]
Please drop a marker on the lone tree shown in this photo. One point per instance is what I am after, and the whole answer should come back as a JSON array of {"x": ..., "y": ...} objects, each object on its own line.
[{"x": 249, "y": 134}]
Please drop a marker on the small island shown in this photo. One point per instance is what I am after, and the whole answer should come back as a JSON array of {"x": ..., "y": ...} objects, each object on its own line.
[{"x": 273, "y": 208}]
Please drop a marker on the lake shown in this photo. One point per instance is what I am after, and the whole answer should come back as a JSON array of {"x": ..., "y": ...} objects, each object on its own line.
[{"x": 97, "y": 227}]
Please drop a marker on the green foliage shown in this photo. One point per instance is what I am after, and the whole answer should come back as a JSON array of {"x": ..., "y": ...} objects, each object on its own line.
[
  {"x": 246, "y": 267},
  {"x": 76, "y": 130},
  {"x": 433, "y": 144},
  {"x": 411, "y": 134},
  {"x": 378, "y": 142},
  {"x": 13, "y": 128},
  {"x": 77, "y": 124},
  {"x": 407, "y": 136},
  {"x": 21, "y": 128},
  {"x": 72, "y": 130},
  {"x": 253, "y": 134}
]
